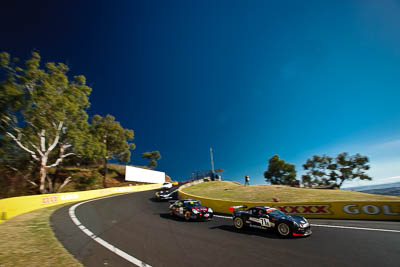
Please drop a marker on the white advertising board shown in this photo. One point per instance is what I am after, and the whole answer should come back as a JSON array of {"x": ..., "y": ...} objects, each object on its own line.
[{"x": 142, "y": 175}]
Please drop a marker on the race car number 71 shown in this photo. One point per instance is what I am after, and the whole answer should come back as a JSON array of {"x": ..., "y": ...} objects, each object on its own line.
[{"x": 265, "y": 222}]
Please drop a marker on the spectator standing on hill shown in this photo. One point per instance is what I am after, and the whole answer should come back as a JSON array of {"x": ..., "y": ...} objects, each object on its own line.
[{"x": 246, "y": 180}]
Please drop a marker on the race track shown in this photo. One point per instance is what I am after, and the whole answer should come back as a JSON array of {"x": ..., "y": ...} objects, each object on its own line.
[{"x": 143, "y": 228}]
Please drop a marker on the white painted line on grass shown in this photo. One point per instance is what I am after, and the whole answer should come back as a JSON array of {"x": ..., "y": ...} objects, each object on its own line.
[
  {"x": 335, "y": 226},
  {"x": 105, "y": 244}
]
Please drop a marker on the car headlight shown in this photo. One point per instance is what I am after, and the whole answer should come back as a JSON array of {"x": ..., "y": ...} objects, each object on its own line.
[
  {"x": 195, "y": 211},
  {"x": 210, "y": 210}
]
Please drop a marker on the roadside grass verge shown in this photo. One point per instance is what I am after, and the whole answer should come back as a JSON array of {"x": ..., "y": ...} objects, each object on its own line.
[
  {"x": 265, "y": 193},
  {"x": 28, "y": 240}
]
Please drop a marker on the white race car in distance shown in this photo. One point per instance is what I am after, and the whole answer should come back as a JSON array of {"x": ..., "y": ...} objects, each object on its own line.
[{"x": 166, "y": 185}]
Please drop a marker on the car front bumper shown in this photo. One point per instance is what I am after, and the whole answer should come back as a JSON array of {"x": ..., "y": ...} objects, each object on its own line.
[
  {"x": 203, "y": 216},
  {"x": 302, "y": 231}
]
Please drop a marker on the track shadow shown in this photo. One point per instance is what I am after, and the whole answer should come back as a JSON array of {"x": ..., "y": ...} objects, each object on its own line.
[
  {"x": 179, "y": 219},
  {"x": 154, "y": 199},
  {"x": 248, "y": 231}
]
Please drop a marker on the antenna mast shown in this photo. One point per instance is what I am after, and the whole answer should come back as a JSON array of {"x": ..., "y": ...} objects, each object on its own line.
[{"x": 212, "y": 160}]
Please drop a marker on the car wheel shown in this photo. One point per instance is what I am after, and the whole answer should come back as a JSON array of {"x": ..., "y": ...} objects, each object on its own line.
[
  {"x": 187, "y": 215},
  {"x": 238, "y": 223},
  {"x": 284, "y": 229}
]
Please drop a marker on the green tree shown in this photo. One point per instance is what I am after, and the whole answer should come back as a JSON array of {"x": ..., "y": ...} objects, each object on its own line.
[
  {"x": 280, "y": 172},
  {"x": 112, "y": 140},
  {"x": 152, "y": 157},
  {"x": 324, "y": 170},
  {"x": 43, "y": 112},
  {"x": 318, "y": 169},
  {"x": 347, "y": 168}
]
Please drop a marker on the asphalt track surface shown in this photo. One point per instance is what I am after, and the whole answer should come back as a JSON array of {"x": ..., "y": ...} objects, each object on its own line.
[{"x": 143, "y": 228}]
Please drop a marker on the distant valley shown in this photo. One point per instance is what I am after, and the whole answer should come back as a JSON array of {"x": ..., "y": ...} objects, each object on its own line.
[{"x": 392, "y": 189}]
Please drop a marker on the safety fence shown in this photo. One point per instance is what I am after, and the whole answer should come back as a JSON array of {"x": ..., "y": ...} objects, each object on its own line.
[
  {"x": 11, "y": 207},
  {"x": 365, "y": 210}
]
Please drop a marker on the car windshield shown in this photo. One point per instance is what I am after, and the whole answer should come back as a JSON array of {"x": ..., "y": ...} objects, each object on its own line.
[
  {"x": 192, "y": 204},
  {"x": 276, "y": 213}
]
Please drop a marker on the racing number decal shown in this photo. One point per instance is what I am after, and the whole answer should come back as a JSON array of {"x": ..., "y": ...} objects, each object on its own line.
[
  {"x": 181, "y": 210},
  {"x": 265, "y": 222}
]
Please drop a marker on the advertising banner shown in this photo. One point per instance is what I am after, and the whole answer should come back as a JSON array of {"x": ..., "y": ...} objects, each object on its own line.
[
  {"x": 364, "y": 210},
  {"x": 135, "y": 174}
]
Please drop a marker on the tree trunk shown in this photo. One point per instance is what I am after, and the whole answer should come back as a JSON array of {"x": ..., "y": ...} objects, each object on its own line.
[
  {"x": 42, "y": 177},
  {"x": 51, "y": 189},
  {"x": 105, "y": 173},
  {"x": 341, "y": 182},
  {"x": 54, "y": 179}
]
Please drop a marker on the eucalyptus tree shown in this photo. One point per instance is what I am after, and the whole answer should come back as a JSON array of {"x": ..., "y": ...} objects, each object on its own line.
[
  {"x": 348, "y": 168},
  {"x": 113, "y": 140},
  {"x": 43, "y": 112},
  {"x": 318, "y": 169},
  {"x": 152, "y": 157},
  {"x": 325, "y": 170},
  {"x": 280, "y": 172}
]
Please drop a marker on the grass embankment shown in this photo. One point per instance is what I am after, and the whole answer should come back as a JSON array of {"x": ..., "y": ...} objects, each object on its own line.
[
  {"x": 265, "y": 193},
  {"x": 28, "y": 240}
]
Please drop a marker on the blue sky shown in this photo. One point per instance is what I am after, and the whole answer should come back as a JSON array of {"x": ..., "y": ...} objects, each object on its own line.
[{"x": 248, "y": 78}]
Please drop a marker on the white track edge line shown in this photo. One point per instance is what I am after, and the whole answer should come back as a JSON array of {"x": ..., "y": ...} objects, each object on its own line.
[
  {"x": 102, "y": 242},
  {"x": 337, "y": 226},
  {"x": 356, "y": 228}
]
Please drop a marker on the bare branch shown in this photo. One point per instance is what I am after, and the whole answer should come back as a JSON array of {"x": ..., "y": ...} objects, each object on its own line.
[
  {"x": 6, "y": 118},
  {"x": 59, "y": 160},
  {"x": 57, "y": 137},
  {"x": 22, "y": 146},
  {"x": 66, "y": 146},
  {"x": 37, "y": 149},
  {"x": 66, "y": 181},
  {"x": 12, "y": 168},
  {"x": 31, "y": 182},
  {"x": 26, "y": 178}
]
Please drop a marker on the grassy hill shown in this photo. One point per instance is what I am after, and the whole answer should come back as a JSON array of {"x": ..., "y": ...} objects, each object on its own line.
[{"x": 265, "y": 193}]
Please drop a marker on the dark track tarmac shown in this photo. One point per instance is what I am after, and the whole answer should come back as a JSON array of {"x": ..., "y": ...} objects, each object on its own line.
[{"x": 142, "y": 227}]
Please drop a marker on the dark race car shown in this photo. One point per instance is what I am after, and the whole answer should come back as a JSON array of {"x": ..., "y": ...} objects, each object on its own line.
[
  {"x": 167, "y": 194},
  {"x": 190, "y": 209},
  {"x": 270, "y": 218}
]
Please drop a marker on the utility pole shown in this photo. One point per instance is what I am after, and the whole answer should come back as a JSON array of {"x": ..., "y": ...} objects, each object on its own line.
[{"x": 212, "y": 160}]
